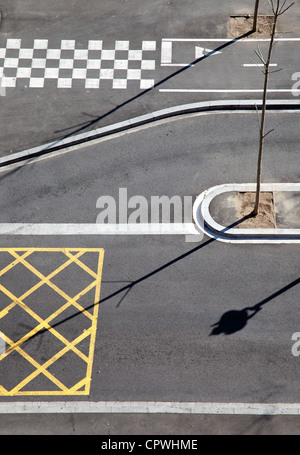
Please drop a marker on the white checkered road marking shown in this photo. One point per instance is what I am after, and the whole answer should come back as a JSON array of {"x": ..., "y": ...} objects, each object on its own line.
[{"x": 70, "y": 66}]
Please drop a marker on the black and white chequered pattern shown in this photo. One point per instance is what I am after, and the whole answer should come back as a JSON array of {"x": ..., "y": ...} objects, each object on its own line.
[{"x": 70, "y": 65}]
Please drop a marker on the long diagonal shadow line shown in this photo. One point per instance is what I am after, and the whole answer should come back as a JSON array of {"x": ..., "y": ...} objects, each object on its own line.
[
  {"x": 275, "y": 294},
  {"x": 55, "y": 145},
  {"x": 126, "y": 288},
  {"x": 91, "y": 123},
  {"x": 154, "y": 272},
  {"x": 235, "y": 320},
  {"x": 131, "y": 284}
]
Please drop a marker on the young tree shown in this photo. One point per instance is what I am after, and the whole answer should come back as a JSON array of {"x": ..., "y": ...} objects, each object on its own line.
[{"x": 278, "y": 8}]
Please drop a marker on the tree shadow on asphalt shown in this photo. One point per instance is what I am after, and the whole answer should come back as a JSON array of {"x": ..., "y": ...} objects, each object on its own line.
[
  {"x": 125, "y": 290},
  {"x": 132, "y": 284},
  {"x": 234, "y": 320},
  {"x": 87, "y": 125},
  {"x": 230, "y": 322},
  {"x": 91, "y": 124}
]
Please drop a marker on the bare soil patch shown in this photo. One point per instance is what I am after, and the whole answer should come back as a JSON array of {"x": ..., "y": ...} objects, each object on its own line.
[
  {"x": 239, "y": 25},
  {"x": 266, "y": 216}
]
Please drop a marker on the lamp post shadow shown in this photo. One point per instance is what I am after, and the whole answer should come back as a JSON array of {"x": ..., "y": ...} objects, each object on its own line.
[{"x": 234, "y": 320}]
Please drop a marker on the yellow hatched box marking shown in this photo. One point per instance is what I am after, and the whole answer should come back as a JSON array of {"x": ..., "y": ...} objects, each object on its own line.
[{"x": 73, "y": 256}]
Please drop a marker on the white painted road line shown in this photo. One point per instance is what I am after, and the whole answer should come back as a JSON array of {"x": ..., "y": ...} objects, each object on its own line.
[
  {"x": 250, "y": 65},
  {"x": 196, "y": 90},
  {"x": 97, "y": 229},
  {"x": 148, "y": 407},
  {"x": 228, "y": 40},
  {"x": 166, "y": 52}
]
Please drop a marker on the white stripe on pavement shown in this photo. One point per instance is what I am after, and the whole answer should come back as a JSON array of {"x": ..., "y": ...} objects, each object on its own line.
[
  {"x": 97, "y": 229},
  {"x": 166, "y": 52},
  {"x": 191, "y": 90},
  {"x": 252, "y": 65},
  {"x": 227, "y": 40},
  {"x": 148, "y": 407}
]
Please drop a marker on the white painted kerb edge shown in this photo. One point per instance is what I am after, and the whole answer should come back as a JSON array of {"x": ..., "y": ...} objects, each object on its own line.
[
  {"x": 213, "y": 229},
  {"x": 145, "y": 119}
]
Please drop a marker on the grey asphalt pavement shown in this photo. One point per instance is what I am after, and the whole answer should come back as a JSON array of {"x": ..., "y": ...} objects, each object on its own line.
[
  {"x": 155, "y": 340},
  {"x": 124, "y": 426},
  {"x": 176, "y": 320},
  {"x": 50, "y": 92}
]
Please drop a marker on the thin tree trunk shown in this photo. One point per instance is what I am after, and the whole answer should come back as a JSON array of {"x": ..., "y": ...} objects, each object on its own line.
[
  {"x": 255, "y": 16},
  {"x": 277, "y": 11},
  {"x": 263, "y": 115}
]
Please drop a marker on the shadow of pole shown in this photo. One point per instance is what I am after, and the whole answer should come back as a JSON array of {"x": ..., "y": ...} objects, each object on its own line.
[
  {"x": 234, "y": 320},
  {"x": 131, "y": 284},
  {"x": 80, "y": 128},
  {"x": 127, "y": 288},
  {"x": 92, "y": 123},
  {"x": 226, "y": 323}
]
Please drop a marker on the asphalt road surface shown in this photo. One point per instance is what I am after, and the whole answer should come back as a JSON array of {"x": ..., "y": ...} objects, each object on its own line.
[
  {"x": 62, "y": 73},
  {"x": 161, "y": 297},
  {"x": 114, "y": 318}
]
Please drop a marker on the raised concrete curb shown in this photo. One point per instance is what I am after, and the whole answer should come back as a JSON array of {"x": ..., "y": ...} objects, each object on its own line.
[
  {"x": 207, "y": 106},
  {"x": 205, "y": 222}
]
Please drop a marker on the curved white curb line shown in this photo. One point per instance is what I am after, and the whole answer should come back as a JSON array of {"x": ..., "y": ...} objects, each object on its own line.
[
  {"x": 203, "y": 106},
  {"x": 210, "y": 227}
]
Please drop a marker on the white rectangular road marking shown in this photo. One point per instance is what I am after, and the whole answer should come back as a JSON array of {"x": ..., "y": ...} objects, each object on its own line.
[
  {"x": 250, "y": 65},
  {"x": 148, "y": 407},
  {"x": 166, "y": 52}
]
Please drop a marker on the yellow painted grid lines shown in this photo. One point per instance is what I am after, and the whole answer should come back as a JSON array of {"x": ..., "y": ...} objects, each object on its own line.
[{"x": 73, "y": 255}]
